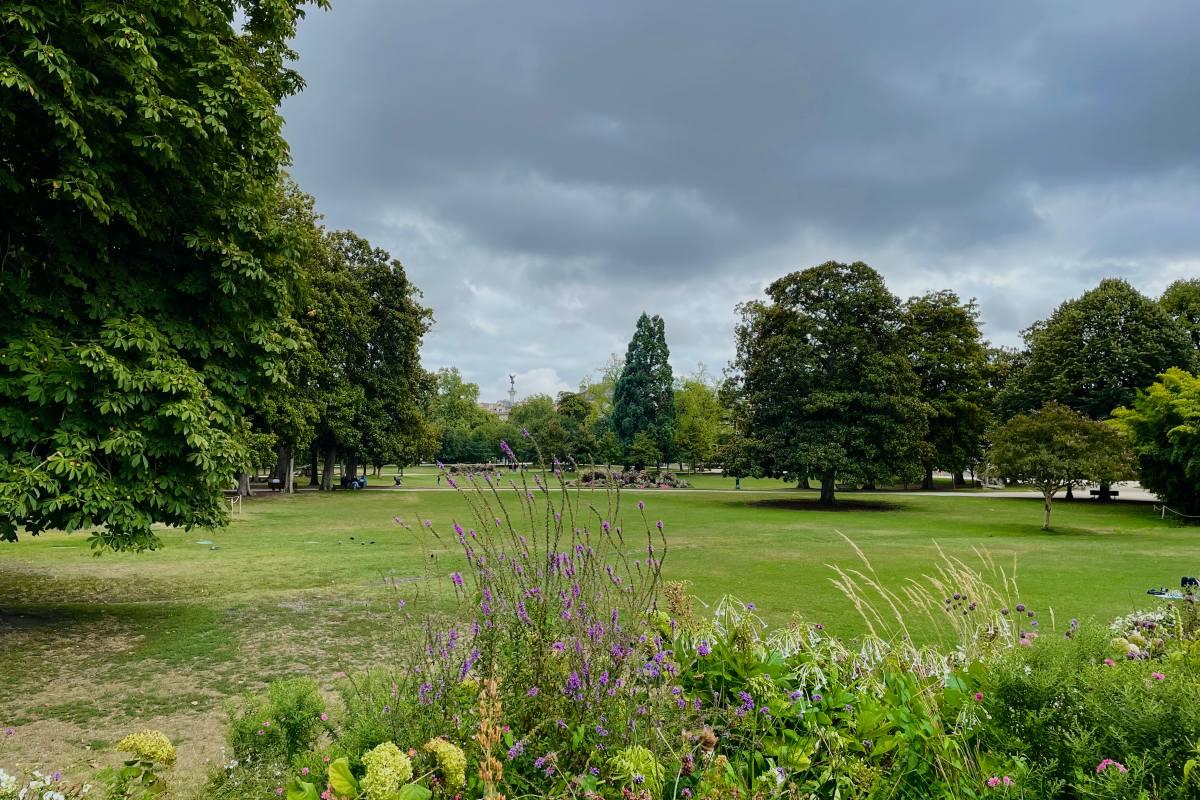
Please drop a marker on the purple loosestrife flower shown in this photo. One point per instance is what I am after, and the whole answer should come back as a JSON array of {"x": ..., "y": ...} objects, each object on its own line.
[
  {"x": 456, "y": 578},
  {"x": 533, "y": 691},
  {"x": 659, "y": 524},
  {"x": 516, "y": 750},
  {"x": 641, "y": 505}
]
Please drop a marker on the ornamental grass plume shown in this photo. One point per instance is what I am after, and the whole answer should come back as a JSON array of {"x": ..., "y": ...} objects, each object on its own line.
[
  {"x": 388, "y": 768},
  {"x": 149, "y": 746},
  {"x": 451, "y": 762}
]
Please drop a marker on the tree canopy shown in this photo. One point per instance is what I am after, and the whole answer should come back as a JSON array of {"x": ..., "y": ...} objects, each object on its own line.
[
  {"x": 1096, "y": 351},
  {"x": 950, "y": 360},
  {"x": 146, "y": 282},
  {"x": 824, "y": 382},
  {"x": 1181, "y": 301},
  {"x": 643, "y": 399},
  {"x": 1164, "y": 423}
]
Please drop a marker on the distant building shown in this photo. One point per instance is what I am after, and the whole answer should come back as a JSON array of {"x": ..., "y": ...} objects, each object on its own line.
[{"x": 500, "y": 408}]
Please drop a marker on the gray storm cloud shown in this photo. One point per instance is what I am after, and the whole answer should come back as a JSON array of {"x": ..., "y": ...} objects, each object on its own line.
[{"x": 548, "y": 170}]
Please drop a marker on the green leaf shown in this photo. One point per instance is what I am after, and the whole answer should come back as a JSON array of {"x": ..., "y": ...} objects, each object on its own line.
[
  {"x": 301, "y": 790},
  {"x": 341, "y": 779},
  {"x": 414, "y": 791}
]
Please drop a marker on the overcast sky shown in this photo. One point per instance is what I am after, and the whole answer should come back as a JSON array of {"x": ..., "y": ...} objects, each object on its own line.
[{"x": 548, "y": 170}]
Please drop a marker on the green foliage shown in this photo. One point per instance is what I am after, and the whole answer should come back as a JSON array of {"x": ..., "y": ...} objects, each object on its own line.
[
  {"x": 276, "y": 727},
  {"x": 643, "y": 399},
  {"x": 1096, "y": 351},
  {"x": 146, "y": 285},
  {"x": 1181, "y": 301},
  {"x": 1055, "y": 446},
  {"x": 1063, "y": 705},
  {"x": 1164, "y": 424},
  {"x": 950, "y": 360},
  {"x": 700, "y": 424},
  {"x": 643, "y": 451},
  {"x": 824, "y": 384}
]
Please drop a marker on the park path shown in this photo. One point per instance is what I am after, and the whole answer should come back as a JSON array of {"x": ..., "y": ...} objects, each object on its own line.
[{"x": 1128, "y": 492}]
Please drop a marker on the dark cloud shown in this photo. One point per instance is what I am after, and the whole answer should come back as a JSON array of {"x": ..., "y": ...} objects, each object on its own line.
[{"x": 548, "y": 170}]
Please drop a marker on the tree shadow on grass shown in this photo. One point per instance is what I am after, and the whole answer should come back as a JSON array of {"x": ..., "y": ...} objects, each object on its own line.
[{"x": 811, "y": 504}]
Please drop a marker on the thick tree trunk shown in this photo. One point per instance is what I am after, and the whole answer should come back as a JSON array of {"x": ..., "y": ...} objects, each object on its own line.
[
  {"x": 352, "y": 466},
  {"x": 291, "y": 470},
  {"x": 959, "y": 480},
  {"x": 805, "y": 483},
  {"x": 828, "y": 487},
  {"x": 243, "y": 489},
  {"x": 314, "y": 474},
  {"x": 927, "y": 481},
  {"x": 1070, "y": 495},
  {"x": 327, "y": 473},
  {"x": 1047, "y": 501},
  {"x": 1105, "y": 492}
]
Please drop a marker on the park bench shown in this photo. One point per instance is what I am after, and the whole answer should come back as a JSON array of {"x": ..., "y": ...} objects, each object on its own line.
[{"x": 1096, "y": 493}]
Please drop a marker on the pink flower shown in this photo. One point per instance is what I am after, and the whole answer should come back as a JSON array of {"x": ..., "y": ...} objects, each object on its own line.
[
  {"x": 325, "y": 759},
  {"x": 1108, "y": 762},
  {"x": 304, "y": 770},
  {"x": 324, "y": 718},
  {"x": 993, "y": 781},
  {"x": 979, "y": 697},
  {"x": 1108, "y": 662},
  {"x": 1007, "y": 780},
  {"x": 1158, "y": 676},
  {"x": 279, "y": 791}
]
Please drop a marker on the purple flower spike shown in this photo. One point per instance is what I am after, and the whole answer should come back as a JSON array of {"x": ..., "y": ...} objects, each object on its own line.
[
  {"x": 456, "y": 578},
  {"x": 641, "y": 505}
]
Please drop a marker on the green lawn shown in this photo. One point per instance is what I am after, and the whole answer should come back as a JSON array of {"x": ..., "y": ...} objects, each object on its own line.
[{"x": 95, "y": 647}]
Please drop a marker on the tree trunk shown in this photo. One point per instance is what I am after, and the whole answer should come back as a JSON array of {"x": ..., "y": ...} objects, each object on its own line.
[
  {"x": 828, "y": 487},
  {"x": 291, "y": 487},
  {"x": 1048, "y": 498},
  {"x": 1105, "y": 492},
  {"x": 1070, "y": 495},
  {"x": 927, "y": 481},
  {"x": 243, "y": 489},
  {"x": 805, "y": 483},
  {"x": 959, "y": 480},
  {"x": 314, "y": 477},
  {"x": 327, "y": 474},
  {"x": 352, "y": 466}
]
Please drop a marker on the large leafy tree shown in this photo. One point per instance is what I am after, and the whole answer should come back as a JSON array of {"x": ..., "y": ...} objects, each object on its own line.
[
  {"x": 699, "y": 421},
  {"x": 1096, "y": 351},
  {"x": 1055, "y": 446},
  {"x": 1164, "y": 423},
  {"x": 579, "y": 417},
  {"x": 643, "y": 399},
  {"x": 949, "y": 357},
  {"x": 824, "y": 380},
  {"x": 146, "y": 282},
  {"x": 367, "y": 324},
  {"x": 1181, "y": 301}
]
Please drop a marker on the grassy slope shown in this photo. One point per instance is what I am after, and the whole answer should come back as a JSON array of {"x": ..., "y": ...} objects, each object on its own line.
[{"x": 96, "y": 646}]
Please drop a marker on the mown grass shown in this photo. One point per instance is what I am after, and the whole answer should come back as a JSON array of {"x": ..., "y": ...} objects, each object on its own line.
[{"x": 308, "y": 584}]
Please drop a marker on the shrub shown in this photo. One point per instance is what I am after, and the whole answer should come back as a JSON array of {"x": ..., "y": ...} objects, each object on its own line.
[{"x": 279, "y": 725}]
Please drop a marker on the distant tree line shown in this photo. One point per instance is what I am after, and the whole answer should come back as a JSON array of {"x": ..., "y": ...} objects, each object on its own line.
[{"x": 174, "y": 317}]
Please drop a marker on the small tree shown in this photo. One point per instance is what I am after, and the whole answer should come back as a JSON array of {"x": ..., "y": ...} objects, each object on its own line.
[
  {"x": 643, "y": 452},
  {"x": 1054, "y": 446}
]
